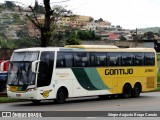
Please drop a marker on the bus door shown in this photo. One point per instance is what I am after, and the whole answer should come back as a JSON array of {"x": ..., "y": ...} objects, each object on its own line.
[{"x": 45, "y": 69}]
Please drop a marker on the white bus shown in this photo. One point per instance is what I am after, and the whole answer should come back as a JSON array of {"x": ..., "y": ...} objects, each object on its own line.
[{"x": 58, "y": 73}]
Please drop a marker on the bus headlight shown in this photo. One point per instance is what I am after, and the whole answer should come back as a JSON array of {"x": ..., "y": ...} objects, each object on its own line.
[
  {"x": 31, "y": 89},
  {"x": 8, "y": 88}
]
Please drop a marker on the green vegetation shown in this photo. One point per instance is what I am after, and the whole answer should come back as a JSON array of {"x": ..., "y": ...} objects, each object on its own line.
[
  {"x": 158, "y": 78},
  {"x": 151, "y": 29},
  {"x": 158, "y": 60},
  {"x": 7, "y": 100},
  {"x": 158, "y": 89},
  {"x": 87, "y": 35}
]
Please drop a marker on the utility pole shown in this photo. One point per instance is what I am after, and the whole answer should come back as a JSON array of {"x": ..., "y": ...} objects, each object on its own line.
[{"x": 136, "y": 39}]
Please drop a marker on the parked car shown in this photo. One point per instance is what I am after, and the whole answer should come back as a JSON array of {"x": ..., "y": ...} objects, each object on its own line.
[{"x": 3, "y": 81}]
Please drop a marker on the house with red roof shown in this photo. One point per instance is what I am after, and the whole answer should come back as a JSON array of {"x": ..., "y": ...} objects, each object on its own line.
[{"x": 113, "y": 36}]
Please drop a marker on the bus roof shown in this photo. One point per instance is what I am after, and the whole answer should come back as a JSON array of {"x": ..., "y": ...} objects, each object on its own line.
[
  {"x": 92, "y": 46},
  {"x": 108, "y": 48}
]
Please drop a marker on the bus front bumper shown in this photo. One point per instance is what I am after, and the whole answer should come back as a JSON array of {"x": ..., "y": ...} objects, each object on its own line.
[{"x": 23, "y": 95}]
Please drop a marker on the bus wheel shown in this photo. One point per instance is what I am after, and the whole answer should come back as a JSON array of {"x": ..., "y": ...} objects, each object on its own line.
[
  {"x": 127, "y": 91},
  {"x": 61, "y": 96},
  {"x": 136, "y": 90},
  {"x": 36, "y": 101}
]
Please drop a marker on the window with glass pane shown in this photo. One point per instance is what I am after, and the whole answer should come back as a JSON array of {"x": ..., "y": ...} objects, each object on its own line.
[
  {"x": 81, "y": 59},
  {"x": 25, "y": 56},
  {"x": 64, "y": 59},
  {"x": 114, "y": 59},
  {"x": 139, "y": 59},
  {"x": 149, "y": 59},
  {"x": 98, "y": 59},
  {"x": 45, "y": 68},
  {"x": 127, "y": 59}
]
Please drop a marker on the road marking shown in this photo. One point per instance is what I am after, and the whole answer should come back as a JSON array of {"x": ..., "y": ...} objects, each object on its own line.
[{"x": 90, "y": 117}]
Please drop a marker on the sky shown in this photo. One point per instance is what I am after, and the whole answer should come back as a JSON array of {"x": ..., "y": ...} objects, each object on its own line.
[{"x": 129, "y": 14}]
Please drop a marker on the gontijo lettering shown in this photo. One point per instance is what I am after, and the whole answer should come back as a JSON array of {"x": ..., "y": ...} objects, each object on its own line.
[{"x": 118, "y": 71}]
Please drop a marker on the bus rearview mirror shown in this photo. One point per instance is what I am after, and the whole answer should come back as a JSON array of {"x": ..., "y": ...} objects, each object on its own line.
[{"x": 34, "y": 66}]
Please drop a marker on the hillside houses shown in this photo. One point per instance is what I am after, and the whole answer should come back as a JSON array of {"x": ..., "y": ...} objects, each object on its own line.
[{"x": 102, "y": 28}]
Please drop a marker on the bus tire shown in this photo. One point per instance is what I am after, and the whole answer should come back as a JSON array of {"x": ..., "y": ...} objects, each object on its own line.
[
  {"x": 61, "y": 96},
  {"x": 127, "y": 91},
  {"x": 136, "y": 90}
]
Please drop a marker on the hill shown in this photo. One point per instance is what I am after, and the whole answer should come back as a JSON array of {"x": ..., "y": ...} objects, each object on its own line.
[{"x": 150, "y": 29}]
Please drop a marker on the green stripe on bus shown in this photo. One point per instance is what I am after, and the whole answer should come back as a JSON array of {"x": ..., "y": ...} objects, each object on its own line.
[
  {"x": 95, "y": 78},
  {"x": 83, "y": 79}
]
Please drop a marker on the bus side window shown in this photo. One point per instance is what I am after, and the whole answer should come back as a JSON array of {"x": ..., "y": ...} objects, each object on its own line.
[
  {"x": 114, "y": 59},
  {"x": 98, "y": 59},
  {"x": 64, "y": 59},
  {"x": 69, "y": 59},
  {"x": 60, "y": 60},
  {"x": 127, "y": 59},
  {"x": 81, "y": 59},
  {"x": 149, "y": 59},
  {"x": 139, "y": 59}
]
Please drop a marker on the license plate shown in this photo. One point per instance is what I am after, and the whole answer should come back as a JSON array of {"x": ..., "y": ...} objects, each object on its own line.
[{"x": 18, "y": 95}]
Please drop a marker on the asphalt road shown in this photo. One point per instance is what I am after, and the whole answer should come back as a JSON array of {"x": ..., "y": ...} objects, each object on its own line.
[{"x": 147, "y": 103}]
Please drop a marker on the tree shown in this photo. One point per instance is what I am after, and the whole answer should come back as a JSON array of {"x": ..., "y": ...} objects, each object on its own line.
[
  {"x": 99, "y": 20},
  {"x": 72, "y": 40},
  {"x": 16, "y": 19},
  {"x": 10, "y": 5},
  {"x": 6, "y": 43},
  {"x": 48, "y": 26},
  {"x": 38, "y": 8},
  {"x": 149, "y": 35},
  {"x": 25, "y": 40},
  {"x": 122, "y": 38},
  {"x": 87, "y": 35},
  {"x": 91, "y": 19}
]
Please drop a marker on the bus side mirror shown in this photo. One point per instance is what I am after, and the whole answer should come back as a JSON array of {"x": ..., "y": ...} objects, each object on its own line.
[{"x": 34, "y": 66}]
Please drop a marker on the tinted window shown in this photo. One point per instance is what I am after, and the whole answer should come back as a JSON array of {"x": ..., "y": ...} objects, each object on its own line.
[
  {"x": 64, "y": 59},
  {"x": 139, "y": 59},
  {"x": 81, "y": 59},
  {"x": 45, "y": 68},
  {"x": 113, "y": 59},
  {"x": 149, "y": 59},
  {"x": 127, "y": 59},
  {"x": 98, "y": 59}
]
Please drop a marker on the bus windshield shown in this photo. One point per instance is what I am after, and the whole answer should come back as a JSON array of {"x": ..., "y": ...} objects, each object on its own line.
[{"x": 19, "y": 72}]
